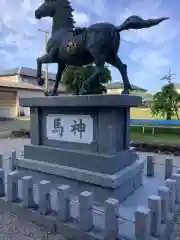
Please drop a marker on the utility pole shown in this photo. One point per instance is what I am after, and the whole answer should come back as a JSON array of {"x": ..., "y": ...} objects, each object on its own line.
[
  {"x": 169, "y": 77},
  {"x": 45, "y": 45}
]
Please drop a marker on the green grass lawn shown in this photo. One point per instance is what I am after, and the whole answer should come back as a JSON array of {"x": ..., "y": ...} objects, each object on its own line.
[
  {"x": 169, "y": 139},
  {"x": 162, "y": 136},
  {"x": 144, "y": 113}
]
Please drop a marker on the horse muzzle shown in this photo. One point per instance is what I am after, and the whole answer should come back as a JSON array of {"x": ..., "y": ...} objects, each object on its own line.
[{"x": 37, "y": 14}]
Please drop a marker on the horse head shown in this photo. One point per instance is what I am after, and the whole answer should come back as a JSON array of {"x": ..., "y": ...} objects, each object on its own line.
[
  {"x": 46, "y": 9},
  {"x": 61, "y": 12}
]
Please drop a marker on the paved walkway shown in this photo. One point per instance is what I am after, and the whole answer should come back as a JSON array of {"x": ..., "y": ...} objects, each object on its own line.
[{"x": 9, "y": 144}]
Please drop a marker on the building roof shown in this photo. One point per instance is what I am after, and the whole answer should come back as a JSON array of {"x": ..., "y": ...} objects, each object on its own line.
[
  {"x": 120, "y": 85},
  {"x": 19, "y": 85},
  {"x": 177, "y": 85},
  {"x": 147, "y": 100},
  {"x": 28, "y": 86},
  {"x": 25, "y": 71}
]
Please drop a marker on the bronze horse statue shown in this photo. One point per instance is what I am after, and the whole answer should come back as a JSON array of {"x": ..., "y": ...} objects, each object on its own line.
[{"x": 98, "y": 43}]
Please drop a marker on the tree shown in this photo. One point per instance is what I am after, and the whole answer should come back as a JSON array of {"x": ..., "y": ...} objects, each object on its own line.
[
  {"x": 74, "y": 76},
  {"x": 165, "y": 103}
]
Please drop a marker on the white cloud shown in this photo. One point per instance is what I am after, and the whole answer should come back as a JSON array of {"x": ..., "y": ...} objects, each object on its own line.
[
  {"x": 81, "y": 18},
  {"x": 151, "y": 66},
  {"x": 0, "y": 25},
  {"x": 17, "y": 15},
  {"x": 150, "y": 58},
  {"x": 6, "y": 58}
]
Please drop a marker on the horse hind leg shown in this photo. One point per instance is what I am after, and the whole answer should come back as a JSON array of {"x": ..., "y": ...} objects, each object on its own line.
[
  {"x": 99, "y": 62},
  {"x": 117, "y": 63}
]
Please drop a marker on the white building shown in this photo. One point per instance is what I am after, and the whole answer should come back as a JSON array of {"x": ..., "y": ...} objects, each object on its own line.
[{"x": 18, "y": 83}]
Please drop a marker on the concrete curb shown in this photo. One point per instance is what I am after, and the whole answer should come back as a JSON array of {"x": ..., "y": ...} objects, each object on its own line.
[{"x": 5, "y": 134}]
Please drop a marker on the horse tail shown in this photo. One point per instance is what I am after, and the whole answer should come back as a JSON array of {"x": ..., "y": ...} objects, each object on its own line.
[{"x": 135, "y": 22}]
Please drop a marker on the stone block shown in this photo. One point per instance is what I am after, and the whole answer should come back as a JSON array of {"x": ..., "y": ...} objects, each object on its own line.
[
  {"x": 111, "y": 219},
  {"x": 1, "y": 160},
  {"x": 12, "y": 186},
  {"x": 168, "y": 168},
  {"x": 2, "y": 183},
  {"x": 63, "y": 202},
  {"x": 44, "y": 203},
  {"x": 150, "y": 166},
  {"x": 154, "y": 204},
  {"x": 171, "y": 184},
  {"x": 12, "y": 161},
  {"x": 176, "y": 177},
  {"x": 27, "y": 192},
  {"x": 163, "y": 192},
  {"x": 142, "y": 223},
  {"x": 85, "y": 211}
]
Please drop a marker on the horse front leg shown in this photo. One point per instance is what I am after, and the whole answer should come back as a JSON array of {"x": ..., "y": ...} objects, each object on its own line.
[
  {"x": 47, "y": 58},
  {"x": 53, "y": 91},
  {"x": 40, "y": 80}
]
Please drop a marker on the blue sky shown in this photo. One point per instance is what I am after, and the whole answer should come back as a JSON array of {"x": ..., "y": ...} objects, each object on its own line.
[{"x": 148, "y": 53}]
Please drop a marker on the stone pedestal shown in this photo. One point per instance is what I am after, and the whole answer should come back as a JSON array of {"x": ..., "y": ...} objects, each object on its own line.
[{"x": 83, "y": 141}]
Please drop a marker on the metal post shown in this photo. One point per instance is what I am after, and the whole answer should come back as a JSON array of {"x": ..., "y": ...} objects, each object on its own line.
[{"x": 45, "y": 45}]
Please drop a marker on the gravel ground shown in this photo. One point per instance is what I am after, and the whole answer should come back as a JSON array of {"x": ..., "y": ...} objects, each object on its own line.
[
  {"x": 177, "y": 228},
  {"x": 13, "y": 228}
]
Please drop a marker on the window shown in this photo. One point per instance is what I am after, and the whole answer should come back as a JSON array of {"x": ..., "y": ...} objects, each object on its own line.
[
  {"x": 29, "y": 80},
  {"x": 25, "y": 79}
]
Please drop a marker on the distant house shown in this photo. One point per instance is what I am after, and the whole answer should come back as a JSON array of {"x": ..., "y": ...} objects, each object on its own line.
[
  {"x": 28, "y": 75},
  {"x": 17, "y": 83},
  {"x": 177, "y": 87},
  {"x": 117, "y": 87}
]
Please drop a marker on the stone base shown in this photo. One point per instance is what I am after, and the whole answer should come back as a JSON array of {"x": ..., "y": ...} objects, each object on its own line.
[
  {"x": 90, "y": 161},
  {"x": 119, "y": 185}
]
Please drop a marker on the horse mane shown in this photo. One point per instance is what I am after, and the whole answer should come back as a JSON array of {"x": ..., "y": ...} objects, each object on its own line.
[{"x": 65, "y": 14}]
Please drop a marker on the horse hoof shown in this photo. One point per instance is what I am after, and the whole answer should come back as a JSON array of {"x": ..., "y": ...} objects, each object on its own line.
[
  {"x": 50, "y": 93},
  {"x": 83, "y": 92},
  {"x": 40, "y": 81},
  {"x": 125, "y": 92},
  {"x": 46, "y": 93}
]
